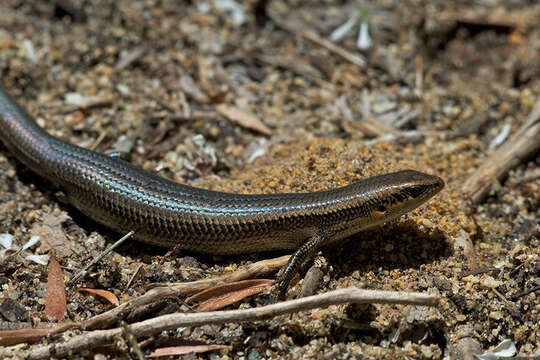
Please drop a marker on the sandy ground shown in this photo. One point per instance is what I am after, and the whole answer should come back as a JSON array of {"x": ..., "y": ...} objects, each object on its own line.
[{"x": 440, "y": 84}]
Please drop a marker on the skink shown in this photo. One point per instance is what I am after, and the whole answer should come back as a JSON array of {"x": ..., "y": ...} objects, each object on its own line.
[{"x": 124, "y": 197}]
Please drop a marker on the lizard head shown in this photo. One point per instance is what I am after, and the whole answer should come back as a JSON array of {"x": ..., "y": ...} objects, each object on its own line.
[{"x": 403, "y": 191}]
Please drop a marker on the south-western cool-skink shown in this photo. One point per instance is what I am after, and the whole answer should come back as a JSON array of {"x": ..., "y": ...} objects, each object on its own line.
[{"x": 124, "y": 197}]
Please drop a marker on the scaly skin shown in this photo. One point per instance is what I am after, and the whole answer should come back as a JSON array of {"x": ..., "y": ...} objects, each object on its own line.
[{"x": 124, "y": 197}]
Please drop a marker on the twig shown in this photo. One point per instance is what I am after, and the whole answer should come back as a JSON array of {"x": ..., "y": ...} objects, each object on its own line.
[
  {"x": 526, "y": 292},
  {"x": 83, "y": 272},
  {"x": 176, "y": 320},
  {"x": 128, "y": 285},
  {"x": 130, "y": 57},
  {"x": 354, "y": 59},
  {"x": 146, "y": 342},
  {"x": 207, "y": 115},
  {"x": 483, "y": 270},
  {"x": 98, "y": 141},
  {"x": 501, "y": 296},
  {"x": 87, "y": 104},
  {"x": 513, "y": 20},
  {"x": 29, "y": 335},
  {"x": 311, "y": 35},
  {"x": 419, "y": 76},
  {"x": 464, "y": 240},
  {"x": 402, "y": 137},
  {"x": 182, "y": 289},
  {"x": 131, "y": 340},
  {"x": 522, "y": 145}
]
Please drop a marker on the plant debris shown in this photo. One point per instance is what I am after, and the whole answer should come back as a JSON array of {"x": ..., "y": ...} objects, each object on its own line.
[{"x": 265, "y": 97}]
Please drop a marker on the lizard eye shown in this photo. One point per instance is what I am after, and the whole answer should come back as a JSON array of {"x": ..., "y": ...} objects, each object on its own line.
[{"x": 381, "y": 208}]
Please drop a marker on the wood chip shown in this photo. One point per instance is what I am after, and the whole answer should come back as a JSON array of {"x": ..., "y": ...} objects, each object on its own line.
[
  {"x": 521, "y": 146},
  {"x": 242, "y": 118}
]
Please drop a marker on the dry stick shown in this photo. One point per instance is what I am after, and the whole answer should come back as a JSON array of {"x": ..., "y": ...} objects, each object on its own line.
[
  {"x": 183, "y": 289},
  {"x": 90, "y": 103},
  {"x": 523, "y": 293},
  {"x": 311, "y": 35},
  {"x": 464, "y": 241},
  {"x": 14, "y": 337},
  {"x": 419, "y": 76},
  {"x": 130, "y": 57},
  {"x": 98, "y": 141},
  {"x": 176, "y": 320},
  {"x": 521, "y": 146},
  {"x": 476, "y": 271},
  {"x": 257, "y": 269},
  {"x": 84, "y": 271},
  {"x": 147, "y": 302},
  {"x": 131, "y": 340},
  {"x": 128, "y": 285},
  {"x": 355, "y": 59}
]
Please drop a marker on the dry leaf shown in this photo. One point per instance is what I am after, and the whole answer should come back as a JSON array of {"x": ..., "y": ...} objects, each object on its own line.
[
  {"x": 52, "y": 234},
  {"x": 231, "y": 298},
  {"x": 226, "y": 288},
  {"x": 55, "y": 301},
  {"x": 107, "y": 295},
  {"x": 224, "y": 295},
  {"x": 14, "y": 337},
  {"x": 187, "y": 349},
  {"x": 242, "y": 118}
]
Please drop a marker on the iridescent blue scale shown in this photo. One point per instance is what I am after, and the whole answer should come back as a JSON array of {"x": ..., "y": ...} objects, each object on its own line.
[{"x": 123, "y": 196}]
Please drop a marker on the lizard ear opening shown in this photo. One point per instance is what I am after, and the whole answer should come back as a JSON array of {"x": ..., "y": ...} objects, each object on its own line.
[{"x": 415, "y": 191}]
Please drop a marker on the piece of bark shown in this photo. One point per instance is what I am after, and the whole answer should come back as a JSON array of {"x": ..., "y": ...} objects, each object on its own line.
[
  {"x": 242, "y": 118},
  {"x": 520, "y": 147}
]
